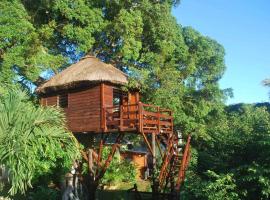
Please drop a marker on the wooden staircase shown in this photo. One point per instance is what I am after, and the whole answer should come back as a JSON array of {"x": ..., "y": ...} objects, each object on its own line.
[
  {"x": 152, "y": 122},
  {"x": 174, "y": 164}
]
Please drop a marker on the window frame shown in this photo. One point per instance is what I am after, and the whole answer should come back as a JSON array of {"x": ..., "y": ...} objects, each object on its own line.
[{"x": 63, "y": 100}]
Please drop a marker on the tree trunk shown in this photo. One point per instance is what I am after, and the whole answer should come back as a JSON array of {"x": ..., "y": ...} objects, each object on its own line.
[{"x": 91, "y": 185}]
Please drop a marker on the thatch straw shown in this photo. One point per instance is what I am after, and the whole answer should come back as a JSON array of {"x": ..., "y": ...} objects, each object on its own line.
[{"x": 88, "y": 70}]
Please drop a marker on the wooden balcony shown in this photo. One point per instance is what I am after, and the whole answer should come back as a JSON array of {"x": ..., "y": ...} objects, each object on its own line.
[{"x": 142, "y": 118}]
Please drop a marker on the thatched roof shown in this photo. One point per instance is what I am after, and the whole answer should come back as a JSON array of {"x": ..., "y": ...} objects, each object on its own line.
[{"x": 88, "y": 70}]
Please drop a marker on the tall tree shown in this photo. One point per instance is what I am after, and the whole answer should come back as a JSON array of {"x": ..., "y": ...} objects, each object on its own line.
[{"x": 176, "y": 67}]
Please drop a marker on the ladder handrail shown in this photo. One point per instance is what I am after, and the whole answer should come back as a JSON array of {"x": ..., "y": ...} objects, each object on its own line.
[{"x": 184, "y": 165}]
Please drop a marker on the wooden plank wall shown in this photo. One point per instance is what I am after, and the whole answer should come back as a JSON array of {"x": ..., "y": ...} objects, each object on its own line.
[
  {"x": 108, "y": 95},
  {"x": 49, "y": 101},
  {"x": 83, "y": 112},
  {"x": 43, "y": 101}
]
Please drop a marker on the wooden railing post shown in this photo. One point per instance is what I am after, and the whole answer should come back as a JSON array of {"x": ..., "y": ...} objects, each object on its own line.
[
  {"x": 154, "y": 149},
  {"x": 158, "y": 114}
]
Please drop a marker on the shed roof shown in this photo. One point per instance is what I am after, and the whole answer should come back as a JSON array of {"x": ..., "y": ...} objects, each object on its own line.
[{"x": 88, "y": 70}]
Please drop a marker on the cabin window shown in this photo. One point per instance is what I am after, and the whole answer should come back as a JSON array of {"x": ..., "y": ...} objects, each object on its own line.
[
  {"x": 119, "y": 97},
  {"x": 63, "y": 100},
  {"x": 116, "y": 97}
]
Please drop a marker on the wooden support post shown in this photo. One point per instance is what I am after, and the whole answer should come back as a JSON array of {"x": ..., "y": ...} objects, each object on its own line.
[
  {"x": 100, "y": 148},
  {"x": 110, "y": 157},
  {"x": 159, "y": 147},
  {"x": 90, "y": 162},
  {"x": 147, "y": 143},
  {"x": 140, "y": 118},
  {"x": 154, "y": 149}
]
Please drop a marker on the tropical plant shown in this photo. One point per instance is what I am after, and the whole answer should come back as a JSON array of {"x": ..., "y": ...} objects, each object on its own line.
[
  {"x": 119, "y": 170},
  {"x": 32, "y": 140}
]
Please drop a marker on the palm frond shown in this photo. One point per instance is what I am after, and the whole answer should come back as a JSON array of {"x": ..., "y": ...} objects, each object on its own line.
[{"x": 32, "y": 138}]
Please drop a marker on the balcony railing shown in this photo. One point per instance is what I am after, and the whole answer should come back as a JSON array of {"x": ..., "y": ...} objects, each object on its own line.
[{"x": 139, "y": 117}]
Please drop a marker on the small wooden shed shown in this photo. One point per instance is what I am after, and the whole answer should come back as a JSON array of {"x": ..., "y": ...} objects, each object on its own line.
[
  {"x": 83, "y": 90},
  {"x": 139, "y": 158}
]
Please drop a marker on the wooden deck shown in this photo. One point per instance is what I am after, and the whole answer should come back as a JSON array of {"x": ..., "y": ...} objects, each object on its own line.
[{"x": 142, "y": 118}]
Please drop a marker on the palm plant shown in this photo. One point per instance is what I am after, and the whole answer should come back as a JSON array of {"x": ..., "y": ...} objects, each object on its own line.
[{"x": 32, "y": 139}]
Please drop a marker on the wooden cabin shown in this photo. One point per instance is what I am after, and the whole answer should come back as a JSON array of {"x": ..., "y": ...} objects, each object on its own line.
[{"x": 90, "y": 93}]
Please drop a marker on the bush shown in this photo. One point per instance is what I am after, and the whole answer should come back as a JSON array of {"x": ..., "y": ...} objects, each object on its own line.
[
  {"x": 119, "y": 170},
  {"x": 44, "y": 193}
]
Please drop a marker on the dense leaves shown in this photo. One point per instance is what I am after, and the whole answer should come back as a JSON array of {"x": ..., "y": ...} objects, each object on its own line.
[
  {"x": 120, "y": 170},
  {"x": 174, "y": 67},
  {"x": 22, "y": 55},
  {"x": 238, "y": 156},
  {"x": 32, "y": 140}
]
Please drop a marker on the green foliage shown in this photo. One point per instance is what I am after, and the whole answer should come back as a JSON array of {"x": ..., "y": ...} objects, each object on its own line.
[
  {"x": 44, "y": 193},
  {"x": 141, "y": 38},
  {"x": 222, "y": 187},
  {"x": 22, "y": 55},
  {"x": 32, "y": 140},
  {"x": 119, "y": 170},
  {"x": 238, "y": 153},
  {"x": 174, "y": 67}
]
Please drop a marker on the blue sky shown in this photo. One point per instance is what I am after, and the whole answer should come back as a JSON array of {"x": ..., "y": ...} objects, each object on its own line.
[{"x": 243, "y": 28}]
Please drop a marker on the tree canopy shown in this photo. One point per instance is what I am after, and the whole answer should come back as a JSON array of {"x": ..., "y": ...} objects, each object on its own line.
[{"x": 141, "y": 38}]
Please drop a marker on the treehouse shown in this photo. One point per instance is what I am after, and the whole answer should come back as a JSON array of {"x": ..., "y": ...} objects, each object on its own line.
[
  {"x": 92, "y": 96},
  {"x": 90, "y": 92}
]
